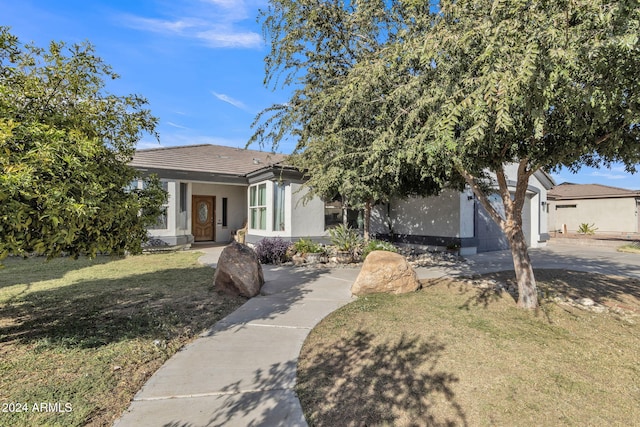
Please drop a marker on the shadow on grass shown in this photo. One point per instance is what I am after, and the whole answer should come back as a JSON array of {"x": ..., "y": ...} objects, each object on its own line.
[
  {"x": 355, "y": 382},
  {"x": 601, "y": 288},
  {"x": 359, "y": 382},
  {"x": 93, "y": 313},
  {"x": 36, "y": 269}
]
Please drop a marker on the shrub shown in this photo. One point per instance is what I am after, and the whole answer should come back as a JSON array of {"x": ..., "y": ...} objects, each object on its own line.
[
  {"x": 345, "y": 239},
  {"x": 307, "y": 246},
  {"x": 272, "y": 250},
  {"x": 585, "y": 228},
  {"x": 377, "y": 245}
]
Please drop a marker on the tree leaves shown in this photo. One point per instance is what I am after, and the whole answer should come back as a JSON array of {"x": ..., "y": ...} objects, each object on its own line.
[{"x": 65, "y": 146}]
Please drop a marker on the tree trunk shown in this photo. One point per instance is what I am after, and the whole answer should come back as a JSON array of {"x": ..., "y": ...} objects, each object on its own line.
[
  {"x": 511, "y": 225},
  {"x": 345, "y": 212},
  {"x": 367, "y": 220},
  {"x": 527, "y": 290}
]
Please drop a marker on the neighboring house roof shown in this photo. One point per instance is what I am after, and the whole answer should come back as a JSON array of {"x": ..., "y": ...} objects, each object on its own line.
[
  {"x": 214, "y": 159},
  {"x": 569, "y": 191}
]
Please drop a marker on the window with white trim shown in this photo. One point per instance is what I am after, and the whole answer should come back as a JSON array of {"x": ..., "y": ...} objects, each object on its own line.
[
  {"x": 162, "y": 222},
  {"x": 258, "y": 206}
]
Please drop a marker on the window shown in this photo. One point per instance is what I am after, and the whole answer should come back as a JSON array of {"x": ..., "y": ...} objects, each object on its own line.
[
  {"x": 334, "y": 213},
  {"x": 183, "y": 197},
  {"x": 133, "y": 185},
  {"x": 224, "y": 211},
  {"x": 278, "y": 206},
  {"x": 258, "y": 206},
  {"x": 182, "y": 215},
  {"x": 162, "y": 222}
]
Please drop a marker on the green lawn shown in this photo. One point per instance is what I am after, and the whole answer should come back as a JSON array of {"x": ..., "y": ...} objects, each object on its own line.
[
  {"x": 452, "y": 354},
  {"x": 82, "y": 336}
]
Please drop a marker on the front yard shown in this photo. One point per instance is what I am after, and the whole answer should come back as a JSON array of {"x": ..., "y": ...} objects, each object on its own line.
[
  {"x": 78, "y": 338},
  {"x": 455, "y": 354}
]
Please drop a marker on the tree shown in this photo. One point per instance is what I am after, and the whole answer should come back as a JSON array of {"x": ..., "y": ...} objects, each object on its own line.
[
  {"x": 65, "y": 145},
  {"x": 315, "y": 44},
  {"x": 473, "y": 87},
  {"x": 534, "y": 83}
]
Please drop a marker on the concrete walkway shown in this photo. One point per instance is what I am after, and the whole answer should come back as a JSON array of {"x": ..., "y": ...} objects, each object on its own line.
[{"x": 242, "y": 372}]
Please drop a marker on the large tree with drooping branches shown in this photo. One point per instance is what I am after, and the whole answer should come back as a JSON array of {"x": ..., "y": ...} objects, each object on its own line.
[{"x": 472, "y": 89}]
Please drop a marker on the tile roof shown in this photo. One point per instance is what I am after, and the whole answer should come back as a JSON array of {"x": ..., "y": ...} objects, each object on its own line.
[
  {"x": 205, "y": 158},
  {"x": 567, "y": 190}
]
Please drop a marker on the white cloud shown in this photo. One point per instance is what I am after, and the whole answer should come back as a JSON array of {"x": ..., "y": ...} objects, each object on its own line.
[
  {"x": 216, "y": 25},
  {"x": 221, "y": 38},
  {"x": 229, "y": 100},
  {"x": 176, "y": 125},
  {"x": 609, "y": 175},
  {"x": 180, "y": 26}
]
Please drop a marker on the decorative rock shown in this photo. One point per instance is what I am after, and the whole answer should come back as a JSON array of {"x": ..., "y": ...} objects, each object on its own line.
[
  {"x": 587, "y": 302},
  {"x": 385, "y": 271},
  {"x": 239, "y": 271}
]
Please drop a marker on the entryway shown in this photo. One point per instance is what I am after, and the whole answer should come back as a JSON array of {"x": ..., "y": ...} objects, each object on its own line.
[{"x": 203, "y": 218}]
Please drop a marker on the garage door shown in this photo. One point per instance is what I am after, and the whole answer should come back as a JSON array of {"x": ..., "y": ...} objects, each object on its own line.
[{"x": 489, "y": 234}]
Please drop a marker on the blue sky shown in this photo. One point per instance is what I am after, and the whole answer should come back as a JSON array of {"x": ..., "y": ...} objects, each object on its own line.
[{"x": 200, "y": 63}]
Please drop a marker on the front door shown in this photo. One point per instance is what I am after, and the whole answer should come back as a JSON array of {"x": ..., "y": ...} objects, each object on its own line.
[{"x": 203, "y": 218}]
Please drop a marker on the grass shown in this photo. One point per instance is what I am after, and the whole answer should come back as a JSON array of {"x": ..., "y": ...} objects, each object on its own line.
[
  {"x": 455, "y": 354},
  {"x": 630, "y": 248},
  {"x": 82, "y": 336}
]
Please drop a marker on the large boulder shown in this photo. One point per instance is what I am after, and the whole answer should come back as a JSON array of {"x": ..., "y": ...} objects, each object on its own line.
[
  {"x": 385, "y": 271},
  {"x": 239, "y": 271}
]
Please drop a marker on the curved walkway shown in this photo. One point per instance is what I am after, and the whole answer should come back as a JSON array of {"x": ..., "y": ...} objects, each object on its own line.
[{"x": 242, "y": 372}]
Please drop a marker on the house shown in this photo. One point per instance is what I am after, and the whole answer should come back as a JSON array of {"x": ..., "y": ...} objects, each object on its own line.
[
  {"x": 611, "y": 210},
  {"x": 216, "y": 190},
  {"x": 458, "y": 219}
]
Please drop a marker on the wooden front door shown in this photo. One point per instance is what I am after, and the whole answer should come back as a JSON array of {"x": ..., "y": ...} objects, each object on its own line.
[{"x": 203, "y": 216}]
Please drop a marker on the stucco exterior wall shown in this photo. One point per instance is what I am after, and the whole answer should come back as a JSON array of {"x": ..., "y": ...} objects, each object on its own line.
[
  {"x": 307, "y": 219},
  {"x": 613, "y": 215},
  {"x": 427, "y": 216},
  {"x": 450, "y": 214}
]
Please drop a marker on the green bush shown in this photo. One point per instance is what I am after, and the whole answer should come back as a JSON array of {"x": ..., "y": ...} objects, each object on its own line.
[
  {"x": 307, "y": 246},
  {"x": 585, "y": 228},
  {"x": 344, "y": 238},
  {"x": 377, "y": 245}
]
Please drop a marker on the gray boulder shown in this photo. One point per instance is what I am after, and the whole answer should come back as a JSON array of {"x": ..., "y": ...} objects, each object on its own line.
[
  {"x": 239, "y": 271},
  {"x": 385, "y": 271}
]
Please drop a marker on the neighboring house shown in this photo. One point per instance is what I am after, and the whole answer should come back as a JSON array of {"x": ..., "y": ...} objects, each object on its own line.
[
  {"x": 609, "y": 209},
  {"x": 216, "y": 190}
]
